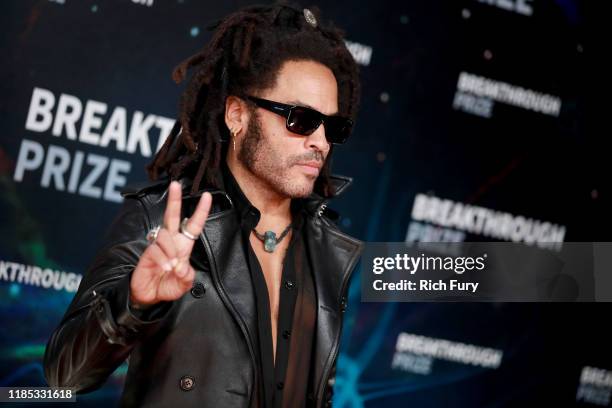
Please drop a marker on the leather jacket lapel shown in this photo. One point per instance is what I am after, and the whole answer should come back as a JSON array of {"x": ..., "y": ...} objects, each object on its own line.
[
  {"x": 222, "y": 244},
  {"x": 333, "y": 256}
]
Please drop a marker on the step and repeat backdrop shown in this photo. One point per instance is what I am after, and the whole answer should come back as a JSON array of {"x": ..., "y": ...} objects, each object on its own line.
[{"x": 475, "y": 126}]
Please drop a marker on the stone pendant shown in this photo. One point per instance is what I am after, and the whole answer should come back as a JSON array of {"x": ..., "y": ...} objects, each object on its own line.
[{"x": 269, "y": 241}]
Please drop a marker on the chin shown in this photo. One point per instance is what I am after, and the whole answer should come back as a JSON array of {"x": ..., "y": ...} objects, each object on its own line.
[
  {"x": 300, "y": 186},
  {"x": 301, "y": 192}
]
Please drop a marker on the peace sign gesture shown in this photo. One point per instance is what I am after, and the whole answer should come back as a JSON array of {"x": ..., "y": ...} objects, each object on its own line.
[{"x": 163, "y": 272}]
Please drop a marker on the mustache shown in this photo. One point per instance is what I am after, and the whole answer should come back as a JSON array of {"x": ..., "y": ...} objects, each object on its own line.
[{"x": 313, "y": 156}]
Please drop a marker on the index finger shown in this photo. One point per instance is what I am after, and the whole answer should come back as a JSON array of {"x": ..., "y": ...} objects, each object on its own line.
[{"x": 172, "y": 214}]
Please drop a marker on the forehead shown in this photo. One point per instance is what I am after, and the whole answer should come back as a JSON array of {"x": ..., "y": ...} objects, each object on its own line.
[{"x": 306, "y": 83}]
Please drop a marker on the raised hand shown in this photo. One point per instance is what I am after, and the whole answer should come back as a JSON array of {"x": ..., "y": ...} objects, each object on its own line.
[{"x": 164, "y": 272}]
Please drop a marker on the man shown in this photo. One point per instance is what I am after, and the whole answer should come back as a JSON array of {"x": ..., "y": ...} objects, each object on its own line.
[{"x": 240, "y": 303}]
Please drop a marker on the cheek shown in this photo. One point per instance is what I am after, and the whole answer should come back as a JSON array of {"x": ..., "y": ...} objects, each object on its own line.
[
  {"x": 283, "y": 143},
  {"x": 283, "y": 146},
  {"x": 273, "y": 125},
  {"x": 276, "y": 147}
]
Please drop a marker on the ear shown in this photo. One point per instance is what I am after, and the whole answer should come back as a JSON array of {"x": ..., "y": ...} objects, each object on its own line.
[{"x": 236, "y": 114}]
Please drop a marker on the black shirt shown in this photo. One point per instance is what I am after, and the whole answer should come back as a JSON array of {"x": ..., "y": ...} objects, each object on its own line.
[{"x": 287, "y": 382}]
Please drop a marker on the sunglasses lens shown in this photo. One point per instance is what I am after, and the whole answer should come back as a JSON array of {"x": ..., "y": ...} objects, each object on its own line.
[
  {"x": 303, "y": 121},
  {"x": 338, "y": 129}
]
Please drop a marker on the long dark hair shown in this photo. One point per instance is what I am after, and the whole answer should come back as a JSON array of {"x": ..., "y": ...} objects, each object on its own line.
[{"x": 244, "y": 55}]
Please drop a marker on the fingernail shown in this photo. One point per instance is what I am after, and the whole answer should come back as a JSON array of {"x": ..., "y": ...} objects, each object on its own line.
[
  {"x": 174, "y": 262},
  {"x": 167, "y": 267}
]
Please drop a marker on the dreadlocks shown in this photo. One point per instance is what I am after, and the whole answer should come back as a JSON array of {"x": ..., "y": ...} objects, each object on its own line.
[{"x": 244, "y": 56}]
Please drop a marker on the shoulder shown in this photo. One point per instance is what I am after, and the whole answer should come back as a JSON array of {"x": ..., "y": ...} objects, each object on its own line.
[
  {"x": 316, "y": 209},
  {"x": 153, "y": 195},
  {"x": 140, "y": 189}
]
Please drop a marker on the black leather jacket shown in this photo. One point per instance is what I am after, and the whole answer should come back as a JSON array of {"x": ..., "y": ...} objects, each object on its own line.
[{"x": 198, "y": 350}]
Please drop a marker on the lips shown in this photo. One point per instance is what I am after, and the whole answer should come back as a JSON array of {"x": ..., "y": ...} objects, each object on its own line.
[
  {"x": 311, "y": 167},
  {"x": 314, "y": 164}
]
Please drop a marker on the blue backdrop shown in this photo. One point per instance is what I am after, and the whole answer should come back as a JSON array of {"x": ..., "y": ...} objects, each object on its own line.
[{"x": 474, "y": 104}]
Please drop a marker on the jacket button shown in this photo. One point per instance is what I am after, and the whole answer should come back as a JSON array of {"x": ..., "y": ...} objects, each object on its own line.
[
  {"x": 280, "y": 385},
  {"x": 289, "y": 284},
  {"x": 286, "y": 334},
  {"x": 187, "y": 383},
  {"x": 198, "y": 290}
]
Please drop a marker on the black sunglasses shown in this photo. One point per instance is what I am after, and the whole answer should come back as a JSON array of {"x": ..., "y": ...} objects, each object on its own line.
[{"x": 304, "y": 121}]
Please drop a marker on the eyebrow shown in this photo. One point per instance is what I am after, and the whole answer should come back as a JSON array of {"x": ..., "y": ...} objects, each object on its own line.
[{"x": 308, "y": 106}]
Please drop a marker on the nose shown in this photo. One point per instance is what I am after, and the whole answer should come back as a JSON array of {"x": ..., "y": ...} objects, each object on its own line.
[{"x": 318, "y": 140}]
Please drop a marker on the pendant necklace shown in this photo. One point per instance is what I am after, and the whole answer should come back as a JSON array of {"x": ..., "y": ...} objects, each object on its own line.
[{"x": 269, "y": 238}]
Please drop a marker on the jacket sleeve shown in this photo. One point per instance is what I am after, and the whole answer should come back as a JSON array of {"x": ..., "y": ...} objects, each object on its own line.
[{"x": 99, "y": 329}]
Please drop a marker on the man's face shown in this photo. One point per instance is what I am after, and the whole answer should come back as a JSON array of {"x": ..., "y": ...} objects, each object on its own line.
[{"x": 290, "y": 163}]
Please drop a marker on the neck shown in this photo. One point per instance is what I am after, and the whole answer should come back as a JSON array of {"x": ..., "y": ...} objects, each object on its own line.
[{"x": 274, "y": 208}]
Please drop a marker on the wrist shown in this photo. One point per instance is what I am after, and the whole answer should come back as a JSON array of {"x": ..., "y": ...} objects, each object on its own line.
[{"x": 134, "y": 304}]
